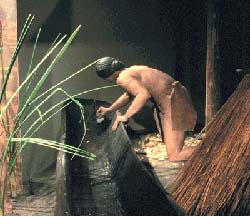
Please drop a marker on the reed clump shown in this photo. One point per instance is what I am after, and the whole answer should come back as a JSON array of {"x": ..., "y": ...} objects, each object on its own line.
[{"x": 216, "y": 179}]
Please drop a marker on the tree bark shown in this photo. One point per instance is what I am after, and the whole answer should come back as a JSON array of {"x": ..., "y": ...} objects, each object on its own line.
[{"x": 8, "y": 41}]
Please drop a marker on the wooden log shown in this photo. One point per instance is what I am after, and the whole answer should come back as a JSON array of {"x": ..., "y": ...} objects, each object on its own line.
[
  {"x": 138, "y": 190},
  {"x": 62, "y": 207},
  {"x": 116, "y": 183},
  {"x": 212, "y": 74}
]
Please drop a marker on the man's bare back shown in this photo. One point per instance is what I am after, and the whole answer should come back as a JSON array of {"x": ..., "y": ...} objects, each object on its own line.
[{"x": 157, "y": 83}]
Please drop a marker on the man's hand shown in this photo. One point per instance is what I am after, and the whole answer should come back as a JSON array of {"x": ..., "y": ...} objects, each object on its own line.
[
  {"x": 102, "y": 111},
  {"x": 119, "y": 118}
]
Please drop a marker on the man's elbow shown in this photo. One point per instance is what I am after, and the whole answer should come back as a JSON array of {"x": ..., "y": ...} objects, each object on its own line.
[{"x": 145, "y": 95}]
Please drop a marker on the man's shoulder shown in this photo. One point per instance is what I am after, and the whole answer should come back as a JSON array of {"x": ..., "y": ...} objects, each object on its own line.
[
  {"x": 133, "y": 70},
  {"x": 138, "y": 67},
  {"x": 127, "y": 75}
]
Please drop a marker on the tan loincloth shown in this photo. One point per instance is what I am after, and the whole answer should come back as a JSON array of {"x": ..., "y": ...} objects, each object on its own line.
[{"x": 183, "y": 113}]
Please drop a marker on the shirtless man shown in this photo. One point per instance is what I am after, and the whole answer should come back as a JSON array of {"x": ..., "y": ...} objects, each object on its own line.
[{"x": 145, "y": 83}]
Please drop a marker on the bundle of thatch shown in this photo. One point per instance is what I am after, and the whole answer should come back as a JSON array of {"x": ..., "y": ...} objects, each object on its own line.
[{"x": 216, "y": 179}]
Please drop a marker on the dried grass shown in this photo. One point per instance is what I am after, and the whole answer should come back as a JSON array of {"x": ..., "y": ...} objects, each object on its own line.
[{"x": 215, "y": 180}]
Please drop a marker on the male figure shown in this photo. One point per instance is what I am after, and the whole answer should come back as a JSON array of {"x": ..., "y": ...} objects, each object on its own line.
[{"x": 170, "y": 97}]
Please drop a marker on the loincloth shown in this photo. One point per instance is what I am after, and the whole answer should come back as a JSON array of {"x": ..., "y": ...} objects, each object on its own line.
[{"x": 183, "y": 113}]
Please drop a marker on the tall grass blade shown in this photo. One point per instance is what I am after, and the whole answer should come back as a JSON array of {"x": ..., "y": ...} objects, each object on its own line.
[
  {"x": 13, "y": 59},
  {"x": 66, "y": 79},
  {"x": 56, "y": 145},
  {"x": 28, "y": 77},
  {"x": 31, "y": 59},
  {"x": 49, "y": 69}
]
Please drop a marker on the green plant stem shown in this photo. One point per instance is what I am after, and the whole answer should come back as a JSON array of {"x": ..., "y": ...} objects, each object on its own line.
[
  {"x": 61, "y": 102},
  {"x": 51, "y": 109},
  {"x": 56, "y": 145},
  {"x": 4, "y": 151},
  {"x": 49, "y": 69},
  {"x": 85, "y": 92},
  {"x": 53, "y": 44},
  {"x": 28, "y": 77},
  {"x": 32, "y": 57},
  {"x": 2, "y": 65},
  {"x": 13, "y": 59},
  {"x": 69, "y": 77}
]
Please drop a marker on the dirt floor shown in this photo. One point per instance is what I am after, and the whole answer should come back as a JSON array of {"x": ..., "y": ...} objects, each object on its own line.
[
  {"x": 150, "y": 149},
  {"x": 38, "y": 199}
]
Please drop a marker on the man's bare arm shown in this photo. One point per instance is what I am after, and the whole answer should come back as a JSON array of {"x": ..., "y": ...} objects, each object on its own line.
[
  {"x": 139, "y": 101},
  {"x": 141, "y": 94},
  {"x": 120, "y": 102},
  {"x": 134, "y": 87}
]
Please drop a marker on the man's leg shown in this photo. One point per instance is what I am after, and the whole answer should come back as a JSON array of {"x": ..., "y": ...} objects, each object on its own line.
[
  {"x": 174, "y": 140},
  {"x": 157, "y": 118}
]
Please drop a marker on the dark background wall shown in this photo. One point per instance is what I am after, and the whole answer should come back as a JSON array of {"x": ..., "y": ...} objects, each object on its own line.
[
  {"x": 167, "y": 34},
  {"x": 234, "y": 43}
]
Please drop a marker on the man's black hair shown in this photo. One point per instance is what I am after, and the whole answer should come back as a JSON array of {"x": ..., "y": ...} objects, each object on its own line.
[{"x": 106, "y": 66}]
